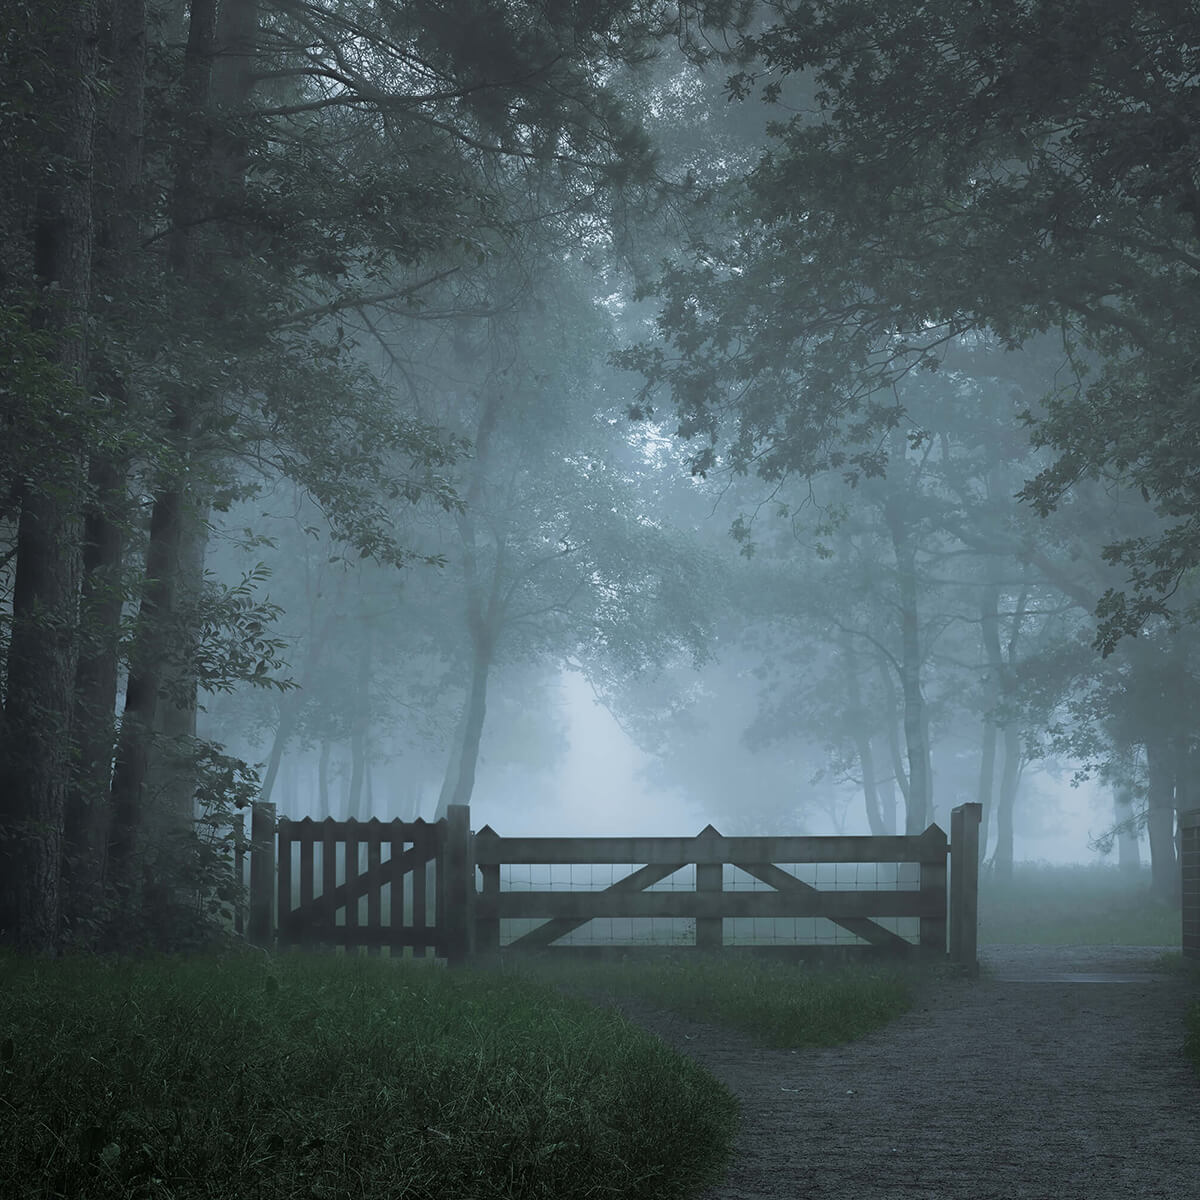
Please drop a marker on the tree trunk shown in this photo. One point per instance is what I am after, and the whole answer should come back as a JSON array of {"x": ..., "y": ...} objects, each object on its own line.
[
  {"x": 887, "y": 803},
  {"x": 1129, "y": 853},
  {"x": 899, "y": 774},
  {"x": 459, "y": 781},
  {"x": 118, "y": 211},
  {"x": 987, "y": 782},
  {"x": 86, "y": 816},
  {"x": 916, "y": 727},
  {"x": 35, "y": 734},
  {"x": 1010, "y": 778},
  {"x": 1160, "y": 821},
  {"x": 358, "y": 733},
  {"x": 858, "y": 720},
  {"x": 323, "y": 780}
]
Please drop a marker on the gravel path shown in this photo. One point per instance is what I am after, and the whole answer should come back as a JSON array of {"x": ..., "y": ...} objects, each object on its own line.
[{"x": 1055, "y": 1076}]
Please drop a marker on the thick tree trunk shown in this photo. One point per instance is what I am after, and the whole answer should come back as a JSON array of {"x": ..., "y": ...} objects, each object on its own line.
[
  {"x": 118, "y": 221},
  {"x": 866, "y": 759},
  {"x": 887, "y": 803},
  {"x": 459, "y": 781},
  {"x": 35, "y": 735},
  {"x": 86, "y": 817},
  {"x": 147, "y": 676}
]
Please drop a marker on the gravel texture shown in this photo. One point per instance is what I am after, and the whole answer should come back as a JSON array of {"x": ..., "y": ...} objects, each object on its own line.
[{"x": 1057, "y": 1075}]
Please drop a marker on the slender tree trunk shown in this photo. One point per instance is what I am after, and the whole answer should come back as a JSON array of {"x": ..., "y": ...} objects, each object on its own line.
[
  {"x": 887, "y": 803},
  {"x": 323, "y": 779},
  {"x": 1129, "y": 853},
  {"x": 1160, "y": 823},
  {"x": 1010, "y": 778},
  {"x": 895, "y": 753},
  {"x": 916, "y": 728},
  {"x": 358, "y": 733},
  {"x": 858, "y": 720},
  {"x": 987, "y": 782},
  {"x": 35, "y": 733}
]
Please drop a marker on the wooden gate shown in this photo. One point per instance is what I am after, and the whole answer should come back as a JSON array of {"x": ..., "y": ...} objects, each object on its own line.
[
  {"x": 413, "y": 885},
  {"x": 361, "y": 883},
  {"x": 857, "y": 911}
]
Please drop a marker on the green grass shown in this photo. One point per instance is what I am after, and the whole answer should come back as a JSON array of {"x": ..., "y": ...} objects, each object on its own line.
[
  {"x": 1074, "y": 905},
  {"x": 777, "y": 1005},
  {"x": 331, "y": 1076}
]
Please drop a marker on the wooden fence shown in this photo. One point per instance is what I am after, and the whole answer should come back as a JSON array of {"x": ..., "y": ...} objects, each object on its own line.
[{"x": 414, "y": 885}]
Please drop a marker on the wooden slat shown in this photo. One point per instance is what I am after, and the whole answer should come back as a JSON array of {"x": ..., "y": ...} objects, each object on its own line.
[
  {"x": 329, "y": 883},
  {"x": 286, "y": 918},
  {"x": 420, "y": 886},
  {"x": 933, "y": 922},
  {"x": 564, "y": 923},
  {"x": 308, "y": 829},
  {"x": 828, "y": 953},
  {"x": 352, "y": 888},
  {"x": 786, "y": 883},
  {"x": 576, "y": 908},
  {"x": 491, "y": 848},
  {"x": 374, "y": 896},
  {"x": 306, "y": 874},
  {"x": 362, "y": 883},
  {"x": 710, "y": 931},
  {"x": 396, "y": 895}
]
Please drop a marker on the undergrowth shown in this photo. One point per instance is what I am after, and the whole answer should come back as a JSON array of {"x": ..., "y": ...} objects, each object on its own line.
[{"x": 333, "y": 1076}]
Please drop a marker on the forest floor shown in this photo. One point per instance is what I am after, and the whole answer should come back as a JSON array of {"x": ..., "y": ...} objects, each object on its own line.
[{"x": 1057, "y": 1075}]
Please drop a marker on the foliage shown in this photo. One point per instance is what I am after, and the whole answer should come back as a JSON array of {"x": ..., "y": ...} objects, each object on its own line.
[{"x": 1015, "y": 169}]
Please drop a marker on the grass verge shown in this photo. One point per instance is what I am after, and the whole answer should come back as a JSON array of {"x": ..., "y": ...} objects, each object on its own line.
[
  {"x": 1048, "y": 905},
  {"x": 312, "y": 1077},
  {"x": 776, "y": 1004}
]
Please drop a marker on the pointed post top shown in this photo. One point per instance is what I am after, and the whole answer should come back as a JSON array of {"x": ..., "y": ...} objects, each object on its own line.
[{"x": 708, "y": 831}]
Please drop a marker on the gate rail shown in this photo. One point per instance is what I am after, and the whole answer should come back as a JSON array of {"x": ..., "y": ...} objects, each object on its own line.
[{"x": 465, "y": 922}]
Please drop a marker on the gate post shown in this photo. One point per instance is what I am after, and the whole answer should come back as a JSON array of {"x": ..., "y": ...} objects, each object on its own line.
[
  {"x": 964, "y": 885},
  {"x": 709, "y": 879},
  {"x": 932, "y": 936},
  {"x": 1189, "y": 859},
  {"x": 456, "y": 873},
  {"x": 262, "y": 873}
]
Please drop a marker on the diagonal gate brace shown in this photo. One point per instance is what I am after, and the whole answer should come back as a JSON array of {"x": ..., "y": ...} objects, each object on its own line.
[
  {"x": 558, "y": 927},
  {"x": 863, "y": 927}
]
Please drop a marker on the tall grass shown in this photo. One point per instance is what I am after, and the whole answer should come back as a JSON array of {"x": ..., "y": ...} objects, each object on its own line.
[
  {"x": 1093, "y": 905},
  {"x": 779, "y": 1005},
  {"x": 340, "y": 1077}
]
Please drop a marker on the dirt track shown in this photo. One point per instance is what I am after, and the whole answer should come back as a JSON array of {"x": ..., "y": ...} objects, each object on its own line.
[{"x": 1028, "y": 1083}]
